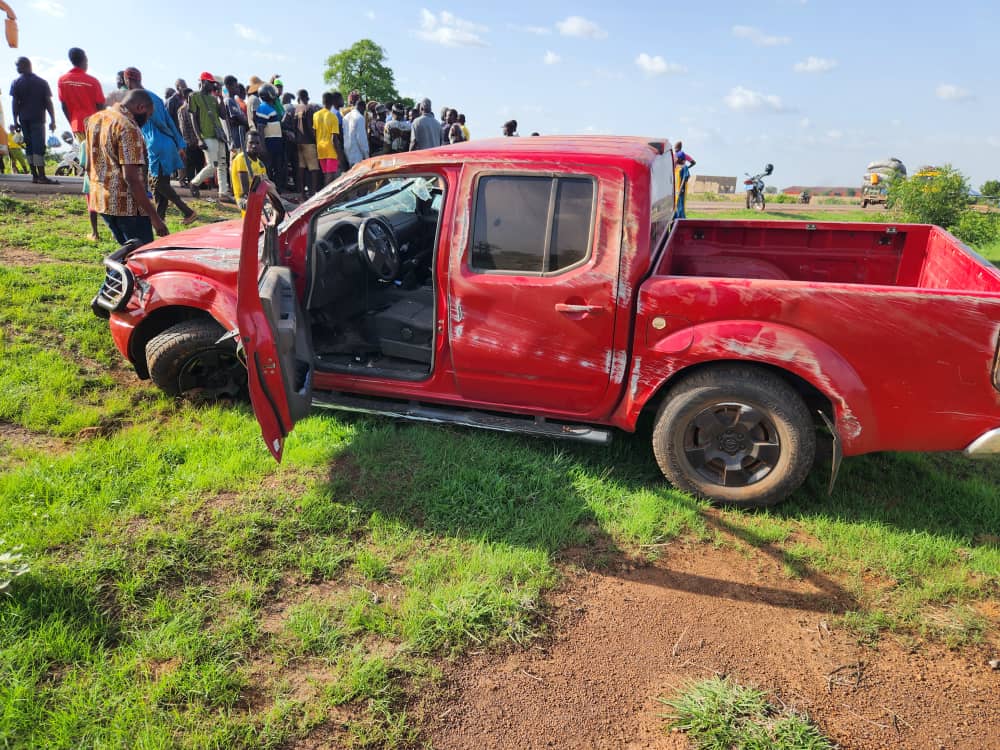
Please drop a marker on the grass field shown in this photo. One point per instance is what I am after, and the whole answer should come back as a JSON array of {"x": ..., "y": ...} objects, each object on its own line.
[{"x": 184, "y": 590}]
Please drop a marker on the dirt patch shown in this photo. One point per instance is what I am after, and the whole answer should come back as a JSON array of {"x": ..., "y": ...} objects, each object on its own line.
[
  {"x": 626, "y": 636},
  {"x": 19, "y": 256},
  {"x": 15, "y": 436}
]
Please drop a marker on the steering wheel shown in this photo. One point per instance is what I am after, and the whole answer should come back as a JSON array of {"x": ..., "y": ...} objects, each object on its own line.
[{"x": 379, "y": 248}]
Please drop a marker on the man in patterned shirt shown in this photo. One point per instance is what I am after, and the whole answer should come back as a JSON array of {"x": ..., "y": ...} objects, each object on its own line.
[{"x": 116, "y": 165}]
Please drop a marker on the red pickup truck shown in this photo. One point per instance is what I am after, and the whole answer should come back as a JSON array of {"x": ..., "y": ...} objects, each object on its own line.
[{"x": 539, "y": 285}]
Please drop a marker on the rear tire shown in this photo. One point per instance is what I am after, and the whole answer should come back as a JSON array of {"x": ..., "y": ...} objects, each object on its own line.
[
  {"x": 185, "y": 360},
  {"x": 749, "y": 201},
  {"x": 63, "y": 172},
  {"x": 735, "y": 435}
]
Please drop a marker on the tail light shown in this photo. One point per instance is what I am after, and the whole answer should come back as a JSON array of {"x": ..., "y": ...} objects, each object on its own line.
[{"x": 748, "y": 182}]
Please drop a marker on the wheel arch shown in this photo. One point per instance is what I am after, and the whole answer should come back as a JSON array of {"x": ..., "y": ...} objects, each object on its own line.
[
  {"x": 814, "y": 398},
  {"x": 155, "y": 323},
  {"x": 818, "y": 372}
]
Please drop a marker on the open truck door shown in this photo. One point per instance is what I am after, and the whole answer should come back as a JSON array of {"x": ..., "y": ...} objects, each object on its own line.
[{"x": 274, "y": 334}]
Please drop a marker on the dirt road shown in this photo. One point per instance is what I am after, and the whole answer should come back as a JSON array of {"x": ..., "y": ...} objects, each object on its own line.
[{"x": 629, "y": 634}]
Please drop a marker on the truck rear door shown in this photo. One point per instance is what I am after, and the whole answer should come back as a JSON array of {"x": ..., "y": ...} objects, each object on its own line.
[
  {"x": 273, "y": 331},
  {"x": 534, "y": 291}
]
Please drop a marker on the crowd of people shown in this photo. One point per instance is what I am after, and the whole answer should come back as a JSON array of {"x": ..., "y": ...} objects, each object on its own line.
[{"x": 134, "y": 144}]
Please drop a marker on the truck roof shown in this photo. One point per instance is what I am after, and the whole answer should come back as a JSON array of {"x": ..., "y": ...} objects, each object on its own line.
[{"x": 596, "y": 148}]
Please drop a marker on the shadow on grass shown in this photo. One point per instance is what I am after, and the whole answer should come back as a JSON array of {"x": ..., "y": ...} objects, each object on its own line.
[{"x": 574, "y": 501}]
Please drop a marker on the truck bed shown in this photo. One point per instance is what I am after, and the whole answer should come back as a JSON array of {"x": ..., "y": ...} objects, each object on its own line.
[
  {"x": 908, "y": 255},
  {"x": 897, "y": 326}
]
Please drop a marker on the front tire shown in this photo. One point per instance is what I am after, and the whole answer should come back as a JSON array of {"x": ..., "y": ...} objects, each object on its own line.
[
  {"x": 735, "y": 435},
  {"x": 186, "y": 360}
]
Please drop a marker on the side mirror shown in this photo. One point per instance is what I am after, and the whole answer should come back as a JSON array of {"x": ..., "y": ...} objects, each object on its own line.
[{"x": 768, "y": 168}]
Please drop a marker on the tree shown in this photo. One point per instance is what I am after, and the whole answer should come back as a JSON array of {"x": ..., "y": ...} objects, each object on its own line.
[
  {"x": 991, "y": 188},
  {"x": 361, "y": 67},
  {"x": 939, "y": 199}
]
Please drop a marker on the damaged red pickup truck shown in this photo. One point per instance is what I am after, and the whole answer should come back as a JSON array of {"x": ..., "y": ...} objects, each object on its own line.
[{"x": 538, "y": 285}]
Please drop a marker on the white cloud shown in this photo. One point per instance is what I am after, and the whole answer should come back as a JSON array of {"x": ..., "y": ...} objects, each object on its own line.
[
  {"x": 758, "y": 37},
  {"x": 551, "y": 58},
  {"x": 49, "y": 8},
  {"x": 449, "y": 30},
  {"x": 951, "y": 93},
  {"x": 370, "y": 15},
  {"x": 815, "y": 65},
  {"x": 805, "y": 123},
  {"x": 744, "y": 100},
  {"x": 655, "y": 65},
  {"x": 270, "y": 56},
  {"x": 581, "y": 27},
  {"x": 537, "y": 30},
  {"x": 251, "y": 35},
  {"x": 834, "y": 135}
]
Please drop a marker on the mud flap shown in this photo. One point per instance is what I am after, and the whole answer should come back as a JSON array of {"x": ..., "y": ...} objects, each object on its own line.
[{"x": 838, "y": 452}]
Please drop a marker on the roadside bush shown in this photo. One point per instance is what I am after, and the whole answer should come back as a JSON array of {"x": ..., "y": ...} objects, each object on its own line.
[
  {"x": 937, "y": 200},
  {"x": 977, "y": 228},
  {"x": 784, "y": 198}
]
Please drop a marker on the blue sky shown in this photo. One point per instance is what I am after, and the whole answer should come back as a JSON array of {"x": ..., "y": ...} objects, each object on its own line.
[{"x": 817, "y": 87}]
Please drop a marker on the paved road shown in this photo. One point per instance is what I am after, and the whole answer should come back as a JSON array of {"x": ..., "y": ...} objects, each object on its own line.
[
  {"x": 784, "y": 207},
  {"x": 22, "y": 185}
]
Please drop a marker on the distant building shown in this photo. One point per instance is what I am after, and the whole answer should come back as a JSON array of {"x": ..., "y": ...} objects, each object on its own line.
[
  {"x": 703, "y": 183},
  {"x": 824, "y": 190}
]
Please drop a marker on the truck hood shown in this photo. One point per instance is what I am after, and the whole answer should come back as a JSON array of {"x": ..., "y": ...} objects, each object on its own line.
[{"x": 212, "y": 246}]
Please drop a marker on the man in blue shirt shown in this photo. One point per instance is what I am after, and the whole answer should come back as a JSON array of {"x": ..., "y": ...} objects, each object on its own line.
[
  {"x": 165, "y": 145},
  {"x": 31, "y": 98}
]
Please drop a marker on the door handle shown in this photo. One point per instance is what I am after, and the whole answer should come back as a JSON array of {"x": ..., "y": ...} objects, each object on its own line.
[{"x": 578, "y": 309}]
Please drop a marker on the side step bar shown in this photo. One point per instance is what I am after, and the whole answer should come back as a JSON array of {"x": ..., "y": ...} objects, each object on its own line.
[{"x": 419, "y": 412}]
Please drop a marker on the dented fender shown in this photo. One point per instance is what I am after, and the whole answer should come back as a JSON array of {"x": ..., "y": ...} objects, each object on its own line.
[{"x": 787, "y": 348}]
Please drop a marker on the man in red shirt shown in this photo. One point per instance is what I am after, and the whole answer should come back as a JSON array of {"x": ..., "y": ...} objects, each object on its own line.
[
  {"x": 81, "y": 96},
  {"x": 79, "y": 93}
]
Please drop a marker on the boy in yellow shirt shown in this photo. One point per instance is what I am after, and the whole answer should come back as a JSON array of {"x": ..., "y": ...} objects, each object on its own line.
[
  {"x": 329, "y": 141},
  {"x": 247, "y": 165},
  {"x": 15, "y": 144}
]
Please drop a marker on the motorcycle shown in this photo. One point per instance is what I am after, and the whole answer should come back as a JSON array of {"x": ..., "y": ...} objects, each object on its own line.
[
  {"x": 754, "y": 187},
  {"x": 70, "y": 165}
]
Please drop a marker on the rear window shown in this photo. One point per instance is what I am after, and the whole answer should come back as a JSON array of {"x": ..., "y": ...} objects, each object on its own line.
[
  {"x": 532, "y": 225},
  {"x": 661, "y": 198}
]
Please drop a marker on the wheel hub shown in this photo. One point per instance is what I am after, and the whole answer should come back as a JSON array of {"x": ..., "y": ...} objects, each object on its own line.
[{"x": 733, "y": 442}]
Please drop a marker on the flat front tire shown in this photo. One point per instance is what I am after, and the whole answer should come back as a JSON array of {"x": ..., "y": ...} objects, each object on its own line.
[
  {"x": 186, "y": 360},
  {"x": 735, "y": 435}
]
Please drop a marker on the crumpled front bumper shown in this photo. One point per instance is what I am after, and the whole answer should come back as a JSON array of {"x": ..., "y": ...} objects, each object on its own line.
[{"x": 985, "y": 446}]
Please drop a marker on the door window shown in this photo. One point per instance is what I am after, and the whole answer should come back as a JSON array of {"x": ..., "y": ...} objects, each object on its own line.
[{"x": 532, "y": 225}]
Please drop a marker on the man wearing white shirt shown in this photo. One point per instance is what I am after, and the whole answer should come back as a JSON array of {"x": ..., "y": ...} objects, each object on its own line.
[{"x": 356, "y": 134}]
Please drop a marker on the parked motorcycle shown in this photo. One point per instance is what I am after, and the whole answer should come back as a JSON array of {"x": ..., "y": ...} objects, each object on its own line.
[
  {"x": 755, "y": 187},
  {"x": 70, "y": 165}
]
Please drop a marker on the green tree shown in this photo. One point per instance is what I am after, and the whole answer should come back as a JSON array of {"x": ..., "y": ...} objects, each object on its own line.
[
  {"x": 991, "y": 188},
  {"x": 937, "y": 200},
  {"x": 361, "y": 67}
]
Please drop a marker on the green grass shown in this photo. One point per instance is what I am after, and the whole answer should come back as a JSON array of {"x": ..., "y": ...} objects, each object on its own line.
[
  {"x": 719, "y": 714},
  {"x": 186, "y": 591}
]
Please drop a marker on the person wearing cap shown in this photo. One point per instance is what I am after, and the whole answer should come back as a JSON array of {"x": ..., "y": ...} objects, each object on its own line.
[
  {"x": 164, "y": 146},
  {"x": 279, "y": 100},
  {"x": 204, "y": 111},
  {"x": 268, "y": 123},
  {"x": 253, "y": 100},
  {"x": 426, "y": 128},
  {"x": 397, "y": 131}
]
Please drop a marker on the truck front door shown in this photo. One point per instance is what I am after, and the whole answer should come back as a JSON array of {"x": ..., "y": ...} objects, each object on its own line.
[{"x": 533, "y": 293}]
